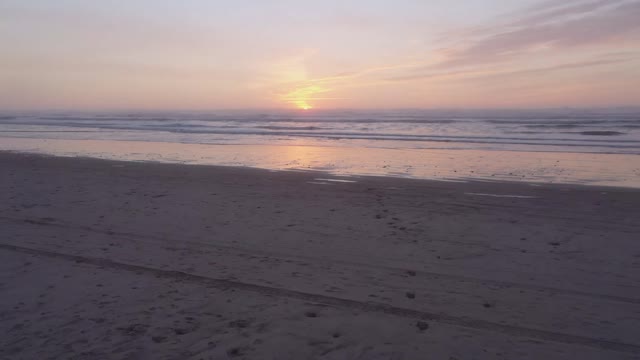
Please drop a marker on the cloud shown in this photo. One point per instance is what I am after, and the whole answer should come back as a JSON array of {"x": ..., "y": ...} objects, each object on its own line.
[
  {"x": 481, "y": 73},
  {"x": 550, "y": 4},
  {"x": 545, "y": 12},
  {"x": 546, "y": 39},
  {"x": 553, "y": 37},
  {"x": 561, "y": 67},
  {"x": 560, "y": 12},
  {"x": 616, "y": 24},
  {"x": 548, "y": 33}
]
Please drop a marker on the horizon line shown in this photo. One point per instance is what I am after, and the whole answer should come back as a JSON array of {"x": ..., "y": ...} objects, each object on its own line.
[{"x": 282, "y": 109}]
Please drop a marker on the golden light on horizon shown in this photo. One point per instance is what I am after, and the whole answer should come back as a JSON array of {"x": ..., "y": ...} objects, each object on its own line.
[
  {"x": 301, "y": 97},
  {"x": 303, "y": 105}
]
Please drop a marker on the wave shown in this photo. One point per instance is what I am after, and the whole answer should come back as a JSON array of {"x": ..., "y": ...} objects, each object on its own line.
[
  {"x": 619, "y": 143},
  {"x": 274, "y": 127},
  {"x": 269, "y": 124},
  {"x": 601, "y": 133},
  {"x": 582, "y": 129}
]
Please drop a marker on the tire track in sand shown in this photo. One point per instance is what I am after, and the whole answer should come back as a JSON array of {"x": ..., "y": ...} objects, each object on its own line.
[
  {"x": 148, "y": 239},
  {"x": 223, "y": 284}
]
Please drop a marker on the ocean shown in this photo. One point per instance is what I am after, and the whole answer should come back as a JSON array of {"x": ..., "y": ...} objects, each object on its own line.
[
  {"x": 608, "y": 131},
  {"x": 350, "y": 142}
]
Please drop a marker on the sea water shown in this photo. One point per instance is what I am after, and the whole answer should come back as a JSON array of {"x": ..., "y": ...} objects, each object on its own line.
[{"x": 599, "y": 146}]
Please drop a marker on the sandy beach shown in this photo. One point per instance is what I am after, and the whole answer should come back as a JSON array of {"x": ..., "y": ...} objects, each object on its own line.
[{"x": 104, "y": 259}]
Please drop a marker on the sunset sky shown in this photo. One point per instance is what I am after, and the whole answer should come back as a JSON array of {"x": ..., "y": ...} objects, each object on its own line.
[{"x": 243, "y": 54}]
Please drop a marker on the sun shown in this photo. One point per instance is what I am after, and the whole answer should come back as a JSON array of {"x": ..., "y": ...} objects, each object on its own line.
[
  {"x": 301, "y": 97},
  {"x": 303, "y": 105}
]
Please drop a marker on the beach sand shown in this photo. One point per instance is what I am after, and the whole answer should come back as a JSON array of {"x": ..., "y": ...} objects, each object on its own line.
[{"x": 120, "y": 260}]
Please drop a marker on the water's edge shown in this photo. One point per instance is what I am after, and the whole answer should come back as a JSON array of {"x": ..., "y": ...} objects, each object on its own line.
[{"x": 617, "y": 170}]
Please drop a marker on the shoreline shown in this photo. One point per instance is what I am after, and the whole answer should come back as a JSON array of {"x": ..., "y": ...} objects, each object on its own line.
[
  {"x": 612, "y": 170},
  {"x": 327, "y": 174}
]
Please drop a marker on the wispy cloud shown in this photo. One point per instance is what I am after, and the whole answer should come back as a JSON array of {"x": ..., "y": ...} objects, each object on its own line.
[
  {"x": 561, "y": 67},
  {"x": 485, "y": 73},
  {"x": 550, "y": 38},
  {"x": 598, "y": 28},
  {"x": 560, "y": 10},
  {"x": 542, "y": 32}
]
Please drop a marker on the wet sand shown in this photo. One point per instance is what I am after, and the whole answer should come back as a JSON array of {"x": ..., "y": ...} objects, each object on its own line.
[
  {"x": 548, "y": 167},
  {"x": 119, "y": 260}
]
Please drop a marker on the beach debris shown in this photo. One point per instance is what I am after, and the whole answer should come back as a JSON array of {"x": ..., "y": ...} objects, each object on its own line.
[
  {"x": 239, "y": 323},
  {"x": 411, "y": 273},
  {"x": 159, "y": 339},
  {"x": 310, "y": 314},
  {"x": 422, "y": 325},
  {"x": 134, "y": 329},
  {"x": 181, "y": 331},
  {"x": 411, "y": 295}
]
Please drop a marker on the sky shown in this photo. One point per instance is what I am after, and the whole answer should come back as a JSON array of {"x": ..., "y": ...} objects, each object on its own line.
[{"x": 307, "y": 54}]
